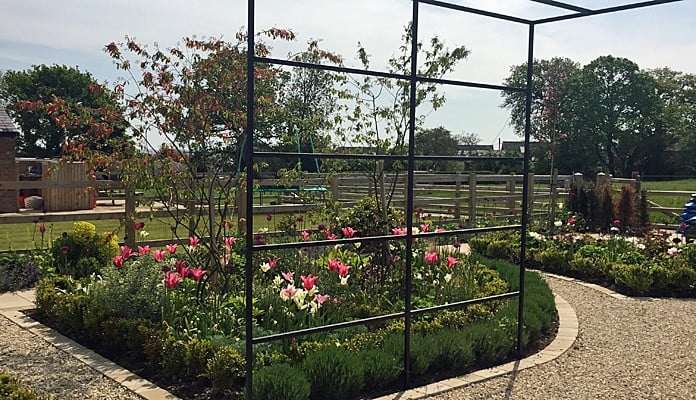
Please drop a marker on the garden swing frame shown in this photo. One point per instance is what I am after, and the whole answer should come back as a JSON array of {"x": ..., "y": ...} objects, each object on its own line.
[{"x": 250, "y": 156}]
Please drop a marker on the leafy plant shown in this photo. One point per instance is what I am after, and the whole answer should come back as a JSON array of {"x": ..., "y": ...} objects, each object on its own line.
[{"x": 280, "y": 382}]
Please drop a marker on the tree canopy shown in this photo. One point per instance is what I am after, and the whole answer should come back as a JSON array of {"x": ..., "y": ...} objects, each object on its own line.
[
  {"x": 43, "y": 131},
  {"x": 607, "y": 116}
]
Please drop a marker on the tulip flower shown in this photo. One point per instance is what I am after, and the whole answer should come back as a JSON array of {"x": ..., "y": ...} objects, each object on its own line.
[
  {"x": 308, "y": 281},
  {"x": 430, "y": 257}
]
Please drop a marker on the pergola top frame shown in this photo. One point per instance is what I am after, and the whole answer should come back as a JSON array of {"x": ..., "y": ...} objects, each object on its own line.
[{"x": 577, "y": 11}]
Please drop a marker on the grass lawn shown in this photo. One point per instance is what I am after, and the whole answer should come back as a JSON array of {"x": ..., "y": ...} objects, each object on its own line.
[{"x": 27, "y": 236}]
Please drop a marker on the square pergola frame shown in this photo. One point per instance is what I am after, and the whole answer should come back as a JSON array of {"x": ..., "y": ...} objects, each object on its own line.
[{"x": 572, "y": 11}]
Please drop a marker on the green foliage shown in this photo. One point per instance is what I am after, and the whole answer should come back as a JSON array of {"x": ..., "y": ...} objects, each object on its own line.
[
  {"x": 126, "y": 335},
  {"x": 42, "y": 133},
  {"x": 82, "y": 252},
  {"x": 632, "y": 277},
  {"x": 280, "y": 382},
  {"x": 553, "y": 258},
  {"x": 19, "y": 270},
  {"x": 334, "y": 372},
  {"x": 382, "y": 368},
  {"x": 11, "y": 389},
  {"x": 132, "y": 291},
  {"x": 225, "y": 369}
]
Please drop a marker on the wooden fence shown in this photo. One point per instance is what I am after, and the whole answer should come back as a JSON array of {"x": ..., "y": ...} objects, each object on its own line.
[{"x": 465, "y": 197}]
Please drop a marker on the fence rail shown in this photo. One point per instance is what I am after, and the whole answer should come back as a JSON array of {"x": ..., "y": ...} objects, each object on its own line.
[{"x": 463, "y": 197}]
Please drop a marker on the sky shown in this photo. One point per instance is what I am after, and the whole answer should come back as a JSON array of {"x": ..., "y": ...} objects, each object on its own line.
[{"x": 74, "y": 32}]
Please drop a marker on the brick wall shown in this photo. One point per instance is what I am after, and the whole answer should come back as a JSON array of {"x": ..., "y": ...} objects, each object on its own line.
[{"x": 9, "y": 198}]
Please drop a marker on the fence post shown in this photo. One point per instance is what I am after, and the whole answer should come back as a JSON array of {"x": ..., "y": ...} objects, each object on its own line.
[
  {"x": 510, "y": 183},
  {"x": 457, "y": 196},
  {"x": 603, "y": 179},
  {"x": 334, "y": 187},
  {"x": 635, "y": 175},
  {"x": 554, "y": 194},
  {"x": 530, "y": 196},
  {"x": 579, "y": 179},
  {"x": 472, "y": 200},
  {"x": 129, "y": 240}
]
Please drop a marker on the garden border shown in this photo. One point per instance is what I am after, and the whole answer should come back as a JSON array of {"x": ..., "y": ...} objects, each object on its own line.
[{"x": 11, "y": 305}]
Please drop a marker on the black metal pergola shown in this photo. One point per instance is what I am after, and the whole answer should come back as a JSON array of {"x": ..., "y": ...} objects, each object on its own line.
[{"x": 566, "y": 11}]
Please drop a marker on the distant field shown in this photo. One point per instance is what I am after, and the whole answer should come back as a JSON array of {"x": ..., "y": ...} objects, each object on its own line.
[{"x": 669, "y": 200}]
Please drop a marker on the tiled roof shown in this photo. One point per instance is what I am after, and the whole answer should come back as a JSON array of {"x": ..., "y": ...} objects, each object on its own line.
[{"x": 7, "y": 127}]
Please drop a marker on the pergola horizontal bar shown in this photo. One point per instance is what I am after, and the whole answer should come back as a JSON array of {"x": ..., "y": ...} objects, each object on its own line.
[
  {"x": 381, "y": 74},
  {"x": 604, "y": 11},
  {"x": 373, "y": 239},
  {"x": 381, "y": 318}
]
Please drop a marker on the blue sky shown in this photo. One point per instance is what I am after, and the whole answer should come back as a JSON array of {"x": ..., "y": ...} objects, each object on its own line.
[{"x": 74, "y": 32}]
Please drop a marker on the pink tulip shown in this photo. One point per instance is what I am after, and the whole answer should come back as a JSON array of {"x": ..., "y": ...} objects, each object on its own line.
[
  {"x": 171, "y": 248},
  {"x": 126, "y": 252},
  {"x": 430, "y": 257},
  {"x": 343, "y": 270},
  {"x": 321, "y": 298},
  {"x": 171, "y": 279},
  {"x": 273, "y": 262},
  {"x": 193, "y": 241},
  {"x": 159, "y": 255},
  {"x": 348, "y": 232},
  {"x": 143, "y": 250},
  {"x": 118, "y": 261},
  {"x": 451, "y": 261},
  {"x": 197, "y": 273},
  {"x": 424, "y": 227},
  {"x": 229, "y": 241},
  {"x": 304, "y": 234},
  {"x": 288, "y": 276},
  {"x": 334, "y": 264},
  {"x": 308, "y": 281}
]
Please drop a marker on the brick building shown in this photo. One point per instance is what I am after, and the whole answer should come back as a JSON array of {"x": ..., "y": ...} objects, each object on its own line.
[{"x": 9, "y": 198}]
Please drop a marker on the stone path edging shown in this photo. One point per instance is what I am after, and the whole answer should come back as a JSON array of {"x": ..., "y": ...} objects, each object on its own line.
[
  {"x": 565, "y": 337},
  {"x": 11, "y": 305}
]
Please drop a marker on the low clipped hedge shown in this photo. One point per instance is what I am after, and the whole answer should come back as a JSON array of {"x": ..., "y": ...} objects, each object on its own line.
[
  {"x": 616, "y": 262},
  {"x": 453, "y": 342}
]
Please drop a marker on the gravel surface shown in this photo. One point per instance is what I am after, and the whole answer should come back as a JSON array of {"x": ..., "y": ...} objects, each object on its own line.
[
  {"x": 626, "y": 349},
  {"x": 52, "y": 372}
]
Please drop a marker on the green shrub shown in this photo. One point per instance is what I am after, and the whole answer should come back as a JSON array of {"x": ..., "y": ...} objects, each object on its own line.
[
  {"x": 133, "y": 291},
  {"x": 334, "y": 373},
  {"x": 64, "y": 301},
  {"x": 10, "y": 389},
  {"x": 382, "y": 368},
  {"x": 479, "y": 244},
  {"x": 82, "y": 251},
  {"x": 631, "y": 277},
  {"x": 554, "y": 259},
  {"x": 682, "y": 279},
  {"x": 454, "y": 351},
  {"x": 503, "y": 249},
  {"x": 126, "y": 335},
  {"x": 225, "y": 369},
  {"x": 280, "y": 382},
  {"x": 589, "y": 268}
]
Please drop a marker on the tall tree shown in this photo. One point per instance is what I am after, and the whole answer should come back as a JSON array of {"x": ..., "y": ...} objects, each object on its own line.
[
  {"x": 613, "y": 105},
  {"x": 677, "y": 92},
  {"x": 43, "y": 135},
  {"x": 548, "y": 79},
  {"x": 436, "y": 142}
]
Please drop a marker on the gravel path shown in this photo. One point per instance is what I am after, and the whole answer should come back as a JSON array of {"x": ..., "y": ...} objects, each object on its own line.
[
  {"x": 626, "y": 349},
  {"x": 50, "y": 371}
]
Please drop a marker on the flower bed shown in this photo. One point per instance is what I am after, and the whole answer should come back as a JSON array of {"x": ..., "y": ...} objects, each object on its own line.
[
  {"x": 656, "y": 264},
  {"x": 180, "y": 310}
]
